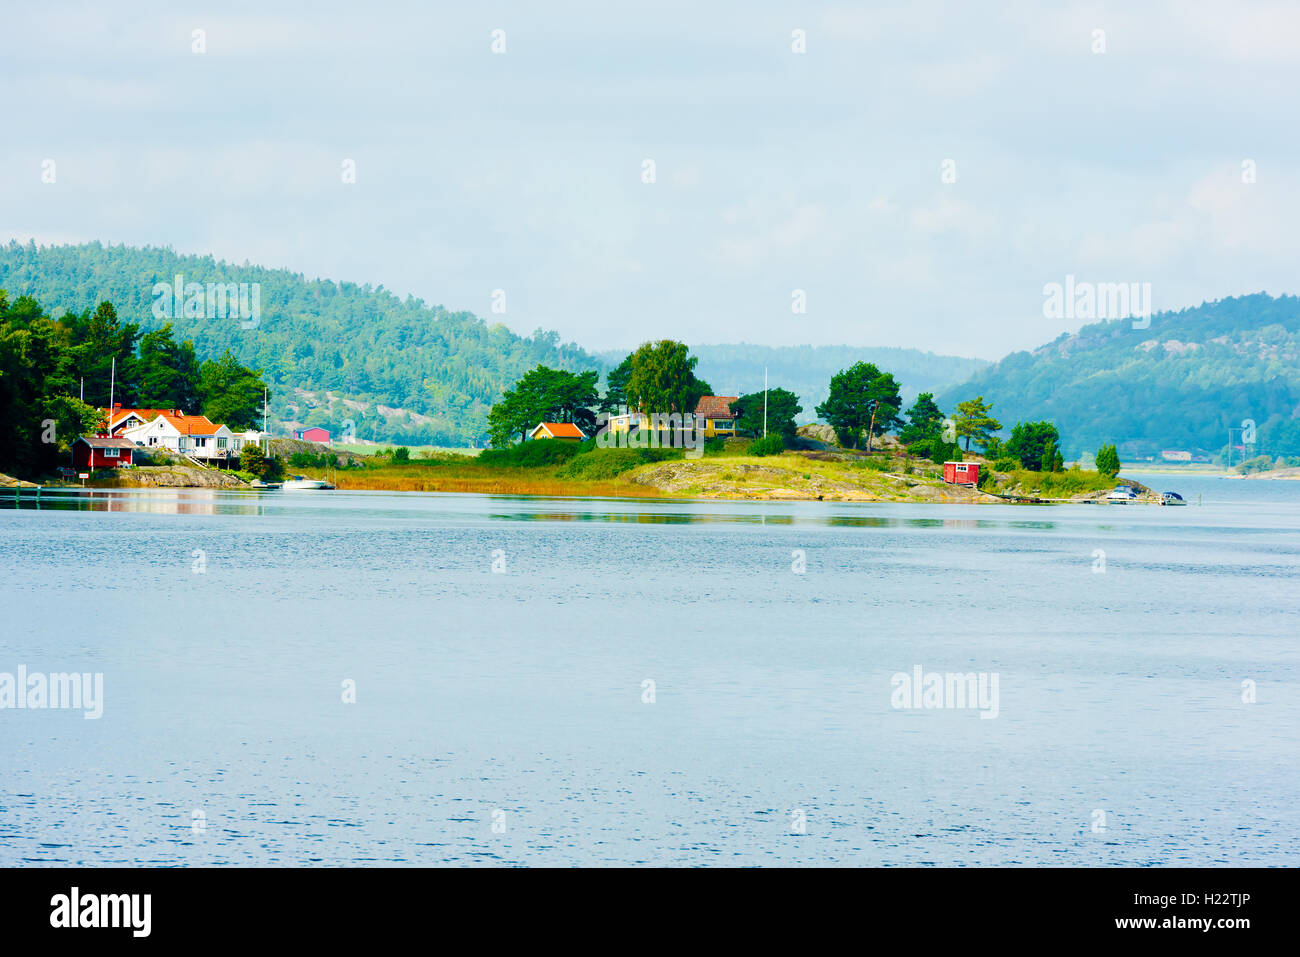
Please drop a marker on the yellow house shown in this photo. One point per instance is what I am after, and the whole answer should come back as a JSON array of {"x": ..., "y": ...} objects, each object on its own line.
[
  {"x": 718, "y": 418},
  {"x": 712, "y": 415}
]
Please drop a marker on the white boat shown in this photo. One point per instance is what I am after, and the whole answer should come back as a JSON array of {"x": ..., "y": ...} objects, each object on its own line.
[
  {"x": 1122, "y": 495},
  {"x": 300, "y": 483}
]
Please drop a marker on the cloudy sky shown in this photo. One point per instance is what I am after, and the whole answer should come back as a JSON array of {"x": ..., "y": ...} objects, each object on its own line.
[{"x": 774, "y": 170}]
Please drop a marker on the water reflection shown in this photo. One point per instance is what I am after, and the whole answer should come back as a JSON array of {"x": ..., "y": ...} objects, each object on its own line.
[
  {"x": 155, "y": 501},
  {"x": 458, "y": 507}
]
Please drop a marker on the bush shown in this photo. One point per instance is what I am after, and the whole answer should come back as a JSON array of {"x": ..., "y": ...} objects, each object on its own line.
[
  {"x": 402, "y": 455},
  {"x": 773, "y": 444},
  {"x": 1260, "y": 463},
  {"x": 942, "y": 451},
  {"x": 1006, "y": 465},
  {"x": 312, "y": 460},
  {"x": 603, "y": 464},
  {"x": 533, "y": 454}
]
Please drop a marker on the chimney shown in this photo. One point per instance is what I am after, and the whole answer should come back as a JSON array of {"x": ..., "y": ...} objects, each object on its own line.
[{"x": 117, "y": 405}]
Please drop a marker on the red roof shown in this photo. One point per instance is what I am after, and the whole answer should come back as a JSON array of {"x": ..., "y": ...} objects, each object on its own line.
[
  {"x": 562, "y": 430},
  {"x": 104, "y": 442},
  {"x": 191, "y": 424},
  {"x": 144, "y": 415},
  {"x": 716, "y": 407}
]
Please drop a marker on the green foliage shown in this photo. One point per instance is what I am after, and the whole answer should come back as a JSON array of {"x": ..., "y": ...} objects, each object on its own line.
[
  {"x": 993, "y": 447},
  {"x": 925, "y": 420},
  {"x": 1051, "y": 457},
  {"x": 256, "y": 463},
  {"x": 313, "y": 460},
  {"x": 1059, "y": 484},
  {"x": 603, "y": 464},
  {"x": 1029, "y": 443},
  {"x": 544, "y": 395},
  {"x": 662, "y": 378},
  {"x": 402, "y": 455},
  {"x": 1007, "y": 464},
  {"x": 1260, "y": 463},
  {"x": 357, "y": 341},
  {"x": 616, "y": 386},
  {"x": 231, "y": 393},
  {"x": 782, "y": 408},
  {"x": 167, "y": 373},
  {"x": 533, "y": 454},
  {"x": 862, "y": 399},
  {"x": 1107, "y": 460},
  {"x": 772, "y": 444},
  {"x": 975, "y": 422},
  {"x": 941, "y": 451}
]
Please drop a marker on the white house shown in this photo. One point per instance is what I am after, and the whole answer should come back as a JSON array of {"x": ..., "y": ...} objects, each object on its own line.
[{"x": 191, "y": 435}]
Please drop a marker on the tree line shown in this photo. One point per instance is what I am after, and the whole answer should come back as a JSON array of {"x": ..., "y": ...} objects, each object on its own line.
[{"x": 862, "y": 405}]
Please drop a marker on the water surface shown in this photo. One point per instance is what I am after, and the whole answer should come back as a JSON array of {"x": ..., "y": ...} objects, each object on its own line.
[{"x": 225, "y": 624}]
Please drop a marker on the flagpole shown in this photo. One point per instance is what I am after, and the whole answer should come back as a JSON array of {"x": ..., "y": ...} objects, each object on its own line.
[
  {"x": 764, "y": 401},
  {"x": 112, "y": 377}
]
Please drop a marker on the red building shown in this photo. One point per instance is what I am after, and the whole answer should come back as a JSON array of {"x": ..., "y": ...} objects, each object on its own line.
[
  {"x": 961, "y": 473},
  {"x": 102, "y": 452},
  {"x": 314, "y": 434}
]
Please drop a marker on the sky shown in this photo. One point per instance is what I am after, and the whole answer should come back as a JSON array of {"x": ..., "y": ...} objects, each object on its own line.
[{"x": 913, "y": 173}]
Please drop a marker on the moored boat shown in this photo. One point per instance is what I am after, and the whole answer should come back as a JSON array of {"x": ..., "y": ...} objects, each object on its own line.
[{"x": 300, "y": 483}]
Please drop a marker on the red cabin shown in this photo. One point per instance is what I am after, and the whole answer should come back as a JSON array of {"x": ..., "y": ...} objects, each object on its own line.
[
  {"x": 314, "y": 434},
  {"x": 961, "y": 473},
  {"x": 102, "y": 452}
]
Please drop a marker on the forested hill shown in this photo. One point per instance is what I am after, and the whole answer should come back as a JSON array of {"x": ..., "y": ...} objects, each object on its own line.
[
  {"x": 737, "y": 369},
  {"x": 317, "y": 342},
  {"x": 1179, "y": 384}
]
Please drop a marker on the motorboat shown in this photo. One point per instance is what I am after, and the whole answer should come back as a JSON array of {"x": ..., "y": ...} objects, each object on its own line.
[
  {"x": 1122, "y": 495},
  {"x": 1172, "y": 498},
  {"x": 300, "y": 483}
]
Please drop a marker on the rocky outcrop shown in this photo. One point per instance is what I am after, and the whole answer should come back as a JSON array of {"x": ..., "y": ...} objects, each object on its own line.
[
  {"x": 172, "y": 476},
  {"x": 786, "y": 478}
]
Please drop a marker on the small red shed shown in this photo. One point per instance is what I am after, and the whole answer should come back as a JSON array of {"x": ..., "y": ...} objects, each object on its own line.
[
  {"x": 102, "y": 452},
  {"x": 961, "y": 473},
  {"x": 314, "y": 434}
]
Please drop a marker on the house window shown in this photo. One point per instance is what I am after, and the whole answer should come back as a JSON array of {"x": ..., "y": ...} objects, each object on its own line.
[
  {"x": 110, "y": 453},
  {"x": 961, "y": 468},
  {"x": 221, "y": 443},
  {"x": 201, "y": 443},
  {"x": 153, "y": 440}
]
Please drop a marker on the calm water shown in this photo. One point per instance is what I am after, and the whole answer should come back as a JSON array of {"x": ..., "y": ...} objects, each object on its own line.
[{"x": 517, "y": 697}]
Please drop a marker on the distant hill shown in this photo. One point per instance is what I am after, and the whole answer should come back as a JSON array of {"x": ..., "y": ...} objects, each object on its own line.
[
  {"x": 1179, "y": 384},
  {"x": 737, "y": 369},
  {"x": 402, "y": 370}
]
